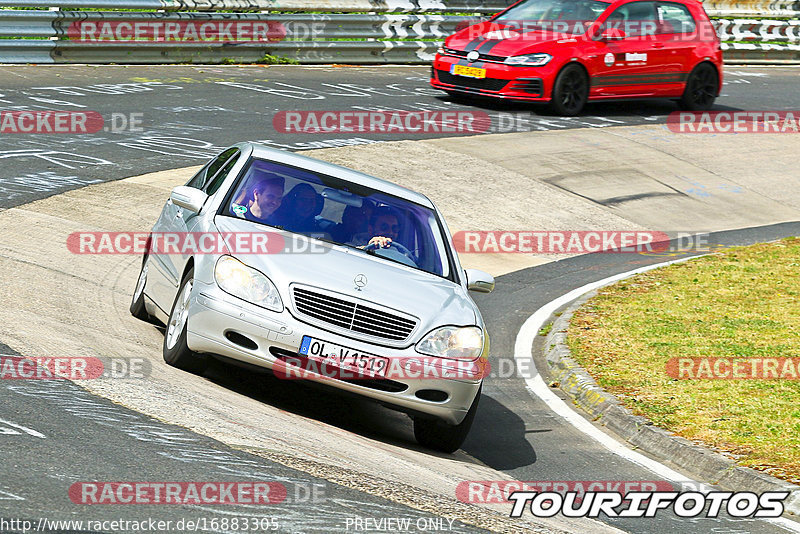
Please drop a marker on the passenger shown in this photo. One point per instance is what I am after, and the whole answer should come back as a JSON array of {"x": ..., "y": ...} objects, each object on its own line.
[
  {"x": 299, "y": 208},
  {"x": 262, "y": 199},
  {"x": 354, "y": 221}
]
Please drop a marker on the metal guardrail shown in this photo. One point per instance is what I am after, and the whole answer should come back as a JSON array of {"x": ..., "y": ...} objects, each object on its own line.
[
  {"x": 759, "y": 30},
  {"x": 721, "y": 8},
  {"x": 766, "y": 53},
  {"x": 309, "y": 52},
  {"x": 379, "y": 37},
  {"x": 331, "y": 6},
  {"x": 751, "y": 8}
]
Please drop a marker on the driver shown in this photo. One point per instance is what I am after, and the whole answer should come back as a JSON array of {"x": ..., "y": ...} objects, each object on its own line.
[{"x": 384, "y": 227}]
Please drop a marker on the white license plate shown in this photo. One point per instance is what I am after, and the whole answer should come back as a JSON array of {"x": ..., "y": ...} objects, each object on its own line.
[
  {"x": 470, "y": 72},
  {"x": 343, "y": 357}
]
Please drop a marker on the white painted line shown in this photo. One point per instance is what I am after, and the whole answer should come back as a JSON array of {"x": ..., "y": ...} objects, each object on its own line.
[
  {"x": 522, "y": 353},
  {"x": 18, "y": 427},
  {"x": 6, "y": 496}
]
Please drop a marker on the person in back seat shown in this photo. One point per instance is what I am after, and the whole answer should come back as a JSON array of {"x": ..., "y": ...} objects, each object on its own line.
[
  {"x": 354, "y": 221},
  {"x": 299, "y": 208}
]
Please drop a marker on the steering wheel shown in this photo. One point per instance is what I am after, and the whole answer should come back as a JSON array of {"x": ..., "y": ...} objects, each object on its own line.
[{"x": 398, "y": 247}]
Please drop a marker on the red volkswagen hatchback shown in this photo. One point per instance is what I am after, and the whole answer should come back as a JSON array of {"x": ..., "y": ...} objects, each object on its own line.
[{"x": 568, "y": 52}]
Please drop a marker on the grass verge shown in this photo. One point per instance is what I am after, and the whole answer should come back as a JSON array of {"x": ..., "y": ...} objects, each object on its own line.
[{"x": 742, "y": 303}]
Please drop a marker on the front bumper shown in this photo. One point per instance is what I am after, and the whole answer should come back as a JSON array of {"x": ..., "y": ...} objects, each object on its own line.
[
  {"x": 216, "y": 320},
  {"x": 530, "y": 84}
]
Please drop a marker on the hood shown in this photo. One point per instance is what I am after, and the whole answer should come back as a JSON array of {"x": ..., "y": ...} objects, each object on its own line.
[
  {"x": 431, "y": 299},
  {"x": 498, "y": 39}
]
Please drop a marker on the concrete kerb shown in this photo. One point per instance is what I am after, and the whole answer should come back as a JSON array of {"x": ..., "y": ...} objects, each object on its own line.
[{"x": 603, "y": 407}]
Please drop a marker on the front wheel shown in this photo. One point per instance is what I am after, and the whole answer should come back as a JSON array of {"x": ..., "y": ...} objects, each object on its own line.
[
  {"x": 570, "y": 91},
  {"x": 176, "y": 352},
  {"x": 701, "y": 89},
  {"x": 444, "y": 437}
]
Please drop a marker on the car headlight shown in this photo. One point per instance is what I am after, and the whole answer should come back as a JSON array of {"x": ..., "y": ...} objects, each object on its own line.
[
  {"x": 453, "y": 342},
  {"x": 529, "y": 60},
  {"x": 241, "y": 281},
  {"x": 441, "y": 50}
]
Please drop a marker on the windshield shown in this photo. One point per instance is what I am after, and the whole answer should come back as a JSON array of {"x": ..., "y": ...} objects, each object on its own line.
[
  {"x": 563, "y": 16},
  {"x": 333, "y": 210}
]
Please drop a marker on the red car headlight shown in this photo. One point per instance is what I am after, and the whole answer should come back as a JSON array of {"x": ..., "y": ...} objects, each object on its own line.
[{"x": 529, "y": 60}]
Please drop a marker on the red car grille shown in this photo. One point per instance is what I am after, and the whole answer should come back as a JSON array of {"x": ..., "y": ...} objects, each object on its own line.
[
  {"x": 534, "y": 86},
  {"x": 486, "y": 84}
]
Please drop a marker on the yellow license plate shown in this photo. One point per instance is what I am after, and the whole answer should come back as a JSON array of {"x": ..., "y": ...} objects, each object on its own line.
[{"x": 471, "y": 72}]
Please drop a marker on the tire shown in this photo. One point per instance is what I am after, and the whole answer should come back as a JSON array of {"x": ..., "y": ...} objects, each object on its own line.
[
  {"x": 570, "y": 91},
  {"x": 701, "y": 89},
  {"x": 137, "y": 307},
  {"x": 176, "y": 352},
  {"x": 440, "y": 436}
]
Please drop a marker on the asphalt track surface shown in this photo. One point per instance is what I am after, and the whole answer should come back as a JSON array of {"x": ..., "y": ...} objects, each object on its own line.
[
  {"x": 189, "y": 114},
  {"x": 55, "y": 434}
]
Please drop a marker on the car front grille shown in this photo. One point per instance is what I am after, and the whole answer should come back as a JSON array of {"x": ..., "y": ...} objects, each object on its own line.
[
  {"x": 528, "y": 85},
  {"x": 486, "y": 84},
  {"x": 352, "y": 315}
]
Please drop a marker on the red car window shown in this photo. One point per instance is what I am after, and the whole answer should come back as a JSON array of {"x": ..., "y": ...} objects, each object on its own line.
[{"x": 675, "y": 18}]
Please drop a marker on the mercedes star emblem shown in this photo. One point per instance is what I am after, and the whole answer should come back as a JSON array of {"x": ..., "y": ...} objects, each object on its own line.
[
  {"x": 472, "y": 56},
  {"x": 360, "y": 281}
]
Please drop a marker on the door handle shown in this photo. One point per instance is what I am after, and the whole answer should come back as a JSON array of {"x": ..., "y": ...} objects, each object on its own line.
[{"x": 658, "y": 45}]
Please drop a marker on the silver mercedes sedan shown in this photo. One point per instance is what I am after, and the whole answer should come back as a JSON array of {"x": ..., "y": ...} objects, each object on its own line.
[{"x": 318, "y": 272}]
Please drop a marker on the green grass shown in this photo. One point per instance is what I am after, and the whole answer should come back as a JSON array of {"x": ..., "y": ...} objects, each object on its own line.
[{"x": 740, "y": 303}]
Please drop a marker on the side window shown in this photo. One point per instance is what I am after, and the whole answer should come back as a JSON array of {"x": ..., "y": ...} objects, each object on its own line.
[
  {"x": 216, "y": 181},
  {"x": 200, "y": 179},
  {"x": 675, "y": 18},
  {"x": 635, "y": 19}
]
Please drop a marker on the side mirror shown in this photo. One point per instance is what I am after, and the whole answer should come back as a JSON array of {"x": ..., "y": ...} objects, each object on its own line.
[
  {"x": 612, "y": 34},
  {"x": 188, "y": 197},
  {"x": 479, "y": 281}
]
